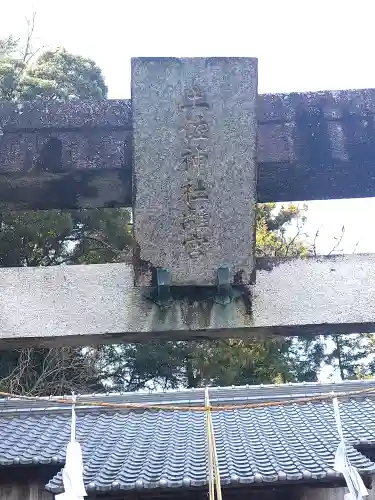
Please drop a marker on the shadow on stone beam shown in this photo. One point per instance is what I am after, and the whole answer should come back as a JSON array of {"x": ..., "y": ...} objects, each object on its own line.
[{"x": 315, "y": 145}]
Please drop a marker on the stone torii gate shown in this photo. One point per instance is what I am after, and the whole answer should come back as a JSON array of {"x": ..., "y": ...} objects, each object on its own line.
[{"x": 192, "y": 153}]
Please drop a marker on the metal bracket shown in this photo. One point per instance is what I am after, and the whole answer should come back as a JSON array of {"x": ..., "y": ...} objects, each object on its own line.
[
  {"x": 161, "y": 293},
  {"x": 224, "y": 291}
]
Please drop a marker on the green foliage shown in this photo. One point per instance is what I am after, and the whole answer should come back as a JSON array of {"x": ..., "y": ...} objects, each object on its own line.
[
  {"x": 60, "y": 75},
  {"x": 194, "y": 364},
  {"x": 305, "y": 358},
  {"x": 221, "y": 362},
  {"x": 10, "y": 71},
  {"x": 54, "y": 237},
  {"x": 95, "y": 236},
  {"x": 55, "y": 74},
  {"x": 348, "y": 354},
  {"x": 271, "y": 231},
  {"x": 237, "y": 362},
  {"x": 8, "y": 46}
]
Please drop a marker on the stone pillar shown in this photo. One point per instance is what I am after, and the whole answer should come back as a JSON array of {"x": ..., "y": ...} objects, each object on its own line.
[{"x": 194, "y": 164}]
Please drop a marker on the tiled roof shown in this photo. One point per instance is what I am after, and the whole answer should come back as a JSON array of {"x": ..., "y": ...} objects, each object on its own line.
[{"x": 144, "y": 449}]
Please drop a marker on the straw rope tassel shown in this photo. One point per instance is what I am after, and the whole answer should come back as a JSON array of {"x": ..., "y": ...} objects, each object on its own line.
[
  {"x": 208, "y": 416},
  {"x": 213, "y": 463},
  {"x": 72, "y": 473},
  {"x": 354, "y": 482}
]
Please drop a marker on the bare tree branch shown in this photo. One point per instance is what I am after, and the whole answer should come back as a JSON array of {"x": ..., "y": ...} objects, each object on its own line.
[
  {"x": 63, "y": 369},
  {"x": 314, "y": 243},
  {"x": 338, "y": 241},
  {"x": 30, "y": 33}
]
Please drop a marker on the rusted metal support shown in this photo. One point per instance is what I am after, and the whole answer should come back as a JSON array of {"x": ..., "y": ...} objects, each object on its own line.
[{"x": 83, "y": 305}]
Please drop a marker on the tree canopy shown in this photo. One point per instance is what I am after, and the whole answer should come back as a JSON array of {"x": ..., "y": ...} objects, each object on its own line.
[
  {"x": 54, "y": 237},
  {"x": 96, "y": 236},
  {"x": 54, "y": 74}
]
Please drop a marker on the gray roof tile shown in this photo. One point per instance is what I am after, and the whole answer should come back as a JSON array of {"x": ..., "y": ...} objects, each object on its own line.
[{"x": 161, "y": 449}]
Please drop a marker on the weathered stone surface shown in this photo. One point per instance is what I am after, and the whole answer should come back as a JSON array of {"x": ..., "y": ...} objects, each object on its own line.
[
  {"x": 72, "y": 155},
  {"x": 95, "y": 304},
  {"x": 194, "y": 165},
  {"x": 63, "y": 151},
  {"x": 283, "y": 107},
  {"x": 74, "y": 189},
  {"x": 311, "y": 146},
  {"x": 50, "y": 114},
  {"x": 276, "y": 142}
]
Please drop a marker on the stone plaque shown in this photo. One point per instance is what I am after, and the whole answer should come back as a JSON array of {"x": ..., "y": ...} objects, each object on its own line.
[{"x": 194, "y": 164}]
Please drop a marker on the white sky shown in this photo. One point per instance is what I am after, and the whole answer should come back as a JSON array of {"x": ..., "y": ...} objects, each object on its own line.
[{"x": 301, "y": 45}]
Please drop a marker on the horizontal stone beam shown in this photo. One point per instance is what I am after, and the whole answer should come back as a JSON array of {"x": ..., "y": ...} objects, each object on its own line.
[
  {"x": 316, "y": 145},
  {"x": 39, "y": 115},
  {"x": 74, "y": 189},
  {"x": 311, "y": 146},
  {"x": 83, "y": 305},
  {"x": 65, "y": 156}
]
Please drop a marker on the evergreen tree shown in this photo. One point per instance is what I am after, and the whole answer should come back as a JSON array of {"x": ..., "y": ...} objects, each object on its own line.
[
  {"x": 54, "y": 237},
  {"x": 347, "y": 354},
  {"x": 95, "y": 236}
]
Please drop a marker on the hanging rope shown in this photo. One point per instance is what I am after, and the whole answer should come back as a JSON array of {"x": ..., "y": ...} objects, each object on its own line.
[
  {"x": 214, "y": 483},
  {"x": 73, "y": 470},
  {"x": 208, "y": 417},
  {"x": 162, "y": 407}
]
